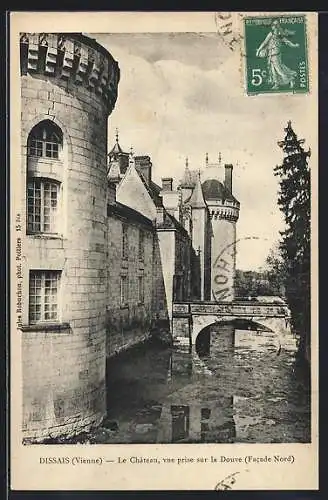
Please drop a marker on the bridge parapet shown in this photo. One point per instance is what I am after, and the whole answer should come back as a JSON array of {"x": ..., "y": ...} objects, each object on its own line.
[
  {"x": 181, "y": 308},
  {"x": 189, "y": 318},
  {"x": 237, "y": 309}
]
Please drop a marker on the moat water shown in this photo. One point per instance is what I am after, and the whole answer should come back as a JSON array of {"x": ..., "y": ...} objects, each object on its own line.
[{"x": 238, "y": 385}]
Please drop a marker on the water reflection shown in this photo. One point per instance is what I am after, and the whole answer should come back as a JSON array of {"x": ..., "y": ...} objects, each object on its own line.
[{"x": 235, "y": 386}]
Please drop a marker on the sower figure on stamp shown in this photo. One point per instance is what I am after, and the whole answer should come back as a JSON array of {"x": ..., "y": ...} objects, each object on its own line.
[{"x": 278, "y": 73}]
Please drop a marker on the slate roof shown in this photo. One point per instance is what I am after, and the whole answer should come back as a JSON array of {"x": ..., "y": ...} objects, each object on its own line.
[
  {"x": 196, "y": 199},
  {"x": 189, "y": 178},
  {"x": 187, "y": 181},
  {"x": 153, "y": 190},
  {"x": 215, "y": 190},
  {"x": 123, "y": 211},
  {"x": 170, "y": 222},
  {"x": 116, "y": 149}
]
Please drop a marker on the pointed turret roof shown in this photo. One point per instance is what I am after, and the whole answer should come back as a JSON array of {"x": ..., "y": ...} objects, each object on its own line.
[
  {"x": 117, "y": 148},
  {"x": 187, "y": 180},
  {"x": 196, "y": 199}
]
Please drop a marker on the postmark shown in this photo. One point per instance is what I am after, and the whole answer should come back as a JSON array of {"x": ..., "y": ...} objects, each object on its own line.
[
  {"x": 276, "y": 58},
  {"x": 223, "y": 265},
  {"x": 227, "y": 24},
  {"x": 228, "y": 482}
]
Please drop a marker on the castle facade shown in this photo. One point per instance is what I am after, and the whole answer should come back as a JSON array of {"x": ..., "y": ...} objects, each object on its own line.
[{"x": 105, "y": 250}]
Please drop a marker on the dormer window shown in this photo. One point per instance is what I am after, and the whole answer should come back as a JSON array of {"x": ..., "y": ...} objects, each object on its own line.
[{"x": 45, "y": 140}]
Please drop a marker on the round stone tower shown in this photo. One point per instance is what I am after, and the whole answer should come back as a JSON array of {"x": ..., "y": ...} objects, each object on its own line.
[
  {"x": 224, "y": 213},
  {"x": 68, "y": 89}
]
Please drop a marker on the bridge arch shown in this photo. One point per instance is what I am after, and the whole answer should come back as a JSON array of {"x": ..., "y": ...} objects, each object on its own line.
[
  {"x": 203, "y": 338},
  {"x": 201, "y": 323}
]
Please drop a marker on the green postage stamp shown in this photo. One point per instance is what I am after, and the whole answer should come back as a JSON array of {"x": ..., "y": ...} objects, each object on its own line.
[{"x": 276, "y": 54}]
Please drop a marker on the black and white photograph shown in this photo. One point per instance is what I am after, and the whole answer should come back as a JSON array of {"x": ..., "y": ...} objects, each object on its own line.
[{"x": 162, "y": 250}]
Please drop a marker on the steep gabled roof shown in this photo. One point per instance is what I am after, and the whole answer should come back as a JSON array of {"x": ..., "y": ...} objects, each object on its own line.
[
  {"x": 153, "y": 190},
  {"x": 156, "y": 190},
  {"x": 132, "y": 191}
]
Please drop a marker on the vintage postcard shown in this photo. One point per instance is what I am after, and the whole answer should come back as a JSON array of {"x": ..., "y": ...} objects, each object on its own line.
[{"x": 164, "y": 329}]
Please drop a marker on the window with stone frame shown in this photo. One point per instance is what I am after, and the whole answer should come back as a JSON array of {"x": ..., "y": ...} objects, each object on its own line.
[
  {"x": 125, "y": 241},
  {"x": 42, "y": 205},
  {"x": 141, "y": 290},
  {"x": 45, "y": 140},
  {"x": 180, "y": 422},
  {"x": 124, "y": 290},
  {"x": 44, "y": 290},
  {"x": 141, "y": 246}
]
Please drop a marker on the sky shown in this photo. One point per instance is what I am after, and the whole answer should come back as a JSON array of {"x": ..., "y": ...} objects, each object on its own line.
[{"x": 182, "y": 94}]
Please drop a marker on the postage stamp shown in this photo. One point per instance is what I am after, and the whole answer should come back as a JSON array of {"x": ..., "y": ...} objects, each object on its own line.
[{"x": 276, "y": 54}]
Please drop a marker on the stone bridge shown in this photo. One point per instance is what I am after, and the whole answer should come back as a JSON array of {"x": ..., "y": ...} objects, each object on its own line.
[{"x": 189, "y": 319}]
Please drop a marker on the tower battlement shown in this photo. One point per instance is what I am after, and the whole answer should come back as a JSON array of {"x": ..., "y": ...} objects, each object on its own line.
[
  {"x": 72, "y": 58},
  {"x": 224, "y": 212}
]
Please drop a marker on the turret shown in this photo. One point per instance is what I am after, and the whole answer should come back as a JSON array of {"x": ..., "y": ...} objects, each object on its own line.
[
  {"x": 224, "y": 213},
  {"x": 187, "y": 182},
  {"x": 118, "y": 162},
  {"x": 68, "y": 89}
]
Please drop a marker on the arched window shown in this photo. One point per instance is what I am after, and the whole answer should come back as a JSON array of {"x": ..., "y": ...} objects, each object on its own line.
[
  {"x": 45, "y": 140},
  {"x": 43, "y": 185}
]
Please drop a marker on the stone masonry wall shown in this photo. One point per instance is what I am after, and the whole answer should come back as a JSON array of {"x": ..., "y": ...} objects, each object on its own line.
[
  {"x": 223, "y": 260},
  {"x": 64, "y": 364},
  {"x": 160, "y": 305},
  {"x": 128, "y": 324}
]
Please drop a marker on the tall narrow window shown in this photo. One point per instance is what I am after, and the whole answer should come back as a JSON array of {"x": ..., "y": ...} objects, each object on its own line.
[
  {"x": 124, "y": 290},
  {"x": 125, "y": 242},
  {"x": 44, "y": 296},
  {"x": 45, "y": 139},
  {"x": 180, "y": 422},
  {"x": 141, "y": 292},
  {"x": 42, "y": 206},
  {"x": 141, "y": 249}
]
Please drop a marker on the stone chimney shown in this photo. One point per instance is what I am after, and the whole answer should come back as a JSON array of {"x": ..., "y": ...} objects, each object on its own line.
[
  {"x": 228, "y": 178},
  {"x": 167, "y": 183},
  {"x": 144, "y": 165}
]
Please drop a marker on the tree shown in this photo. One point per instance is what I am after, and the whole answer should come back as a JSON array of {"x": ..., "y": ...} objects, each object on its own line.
[
  {"x": 255, "y": 283},
  {"x": 276, "y": 271},
  {"x": 295, "y": 203}
]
